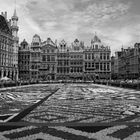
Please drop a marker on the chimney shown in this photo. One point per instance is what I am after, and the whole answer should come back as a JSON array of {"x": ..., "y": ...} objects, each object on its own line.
[
  {"x": 2, "y": 13},
  {"x": 5, "y": 15}
]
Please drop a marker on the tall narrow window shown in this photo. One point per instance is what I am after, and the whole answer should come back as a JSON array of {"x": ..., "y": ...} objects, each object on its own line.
[
  {"x": 43, "y": 58},
  {"x": 108, "y": 67},
  {"x": 85, "y": 56},
  {"x": 97, "y": 66},
  {"x": 104, "y": 56},
  {"x": 108, "y": 56},
  {"x": 93, "y": 56},
  {"x": 101, "y": 68},
  {"x": 89, "y": 56},
  {"x": 101, "y": 56},
  {"x": 48, "y": 58}
]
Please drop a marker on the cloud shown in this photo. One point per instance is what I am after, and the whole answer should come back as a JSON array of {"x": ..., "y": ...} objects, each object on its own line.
[{"x": 70, "y": 19}]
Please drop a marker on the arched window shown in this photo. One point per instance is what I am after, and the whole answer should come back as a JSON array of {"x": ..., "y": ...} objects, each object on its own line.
[{"x": 96, "y": 46}]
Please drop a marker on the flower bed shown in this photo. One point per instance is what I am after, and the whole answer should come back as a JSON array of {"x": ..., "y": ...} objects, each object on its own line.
[
  {"x": 15, "y": 100},
  {"x": 79, "y": 103},
  {"x": 84, "y": 104}
]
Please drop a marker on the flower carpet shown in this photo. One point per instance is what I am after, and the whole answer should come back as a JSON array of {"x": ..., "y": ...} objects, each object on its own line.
[
  {"x": 15, "y": 100},
  {"x": 79, "y": 103}
]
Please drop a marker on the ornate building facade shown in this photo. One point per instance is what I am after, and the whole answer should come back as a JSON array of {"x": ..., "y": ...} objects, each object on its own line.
[
  {"x": 63, "y": 66},
  {"x": 115, "y": 65},
  {"x": 129, "y": 62},
  {"x": 49, "y": 61},
  {"x": 76, "y": 60},
  {"x": 35, "y": 58},
  {"x": 24, "y": 61},
  {"x": 9, "y": 46},
  {"x": 97, "y": 61}
]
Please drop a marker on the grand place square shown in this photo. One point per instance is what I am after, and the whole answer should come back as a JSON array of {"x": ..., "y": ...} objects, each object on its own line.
[{"x": 61, "y": 81}]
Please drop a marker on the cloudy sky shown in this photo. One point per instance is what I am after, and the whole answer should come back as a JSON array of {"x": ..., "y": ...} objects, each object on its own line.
[{"x": 116, "y": 22}]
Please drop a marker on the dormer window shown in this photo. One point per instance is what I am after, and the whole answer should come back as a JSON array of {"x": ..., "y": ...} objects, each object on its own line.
[
  {"x": 24, "y": 46},
  {"x": 96, "y": 46}
]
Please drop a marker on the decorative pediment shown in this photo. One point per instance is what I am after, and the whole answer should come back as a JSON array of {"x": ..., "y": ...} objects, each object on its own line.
[
  {"x": 50, "y": 42},
  {"x": 63, "y": 42},
  {"x": 48, "y": 46}
]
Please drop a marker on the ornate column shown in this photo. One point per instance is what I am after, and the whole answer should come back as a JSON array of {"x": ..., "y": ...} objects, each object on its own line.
[
  {"x": 14, "y": 76},
  {"x": 17, "y": 75},
  {"x": 6, "y": 72},
  {"x": 10, "y": 73},
  {"x": 106, "y": 66}
]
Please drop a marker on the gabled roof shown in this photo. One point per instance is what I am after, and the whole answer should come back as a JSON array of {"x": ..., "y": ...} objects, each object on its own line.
[
  {"x": 4, "y": 27},
  {"x": 49, "y": 41},
  {"x": 24, "y": 42}
]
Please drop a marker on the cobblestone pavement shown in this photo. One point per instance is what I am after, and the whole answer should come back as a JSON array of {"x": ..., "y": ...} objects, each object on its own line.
[{"x": 82, "y": 103}]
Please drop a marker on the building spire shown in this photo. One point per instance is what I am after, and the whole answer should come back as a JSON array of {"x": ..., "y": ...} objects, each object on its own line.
[{"x": 15, "y": 12}]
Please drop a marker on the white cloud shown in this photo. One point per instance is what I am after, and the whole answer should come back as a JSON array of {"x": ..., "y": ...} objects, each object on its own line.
[{"x": 63, "y": 19}]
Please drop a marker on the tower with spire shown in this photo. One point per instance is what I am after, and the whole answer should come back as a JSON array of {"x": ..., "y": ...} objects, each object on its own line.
[
  {"x": 14, "y": 26},
  {"x": 14, "y": 29}
]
